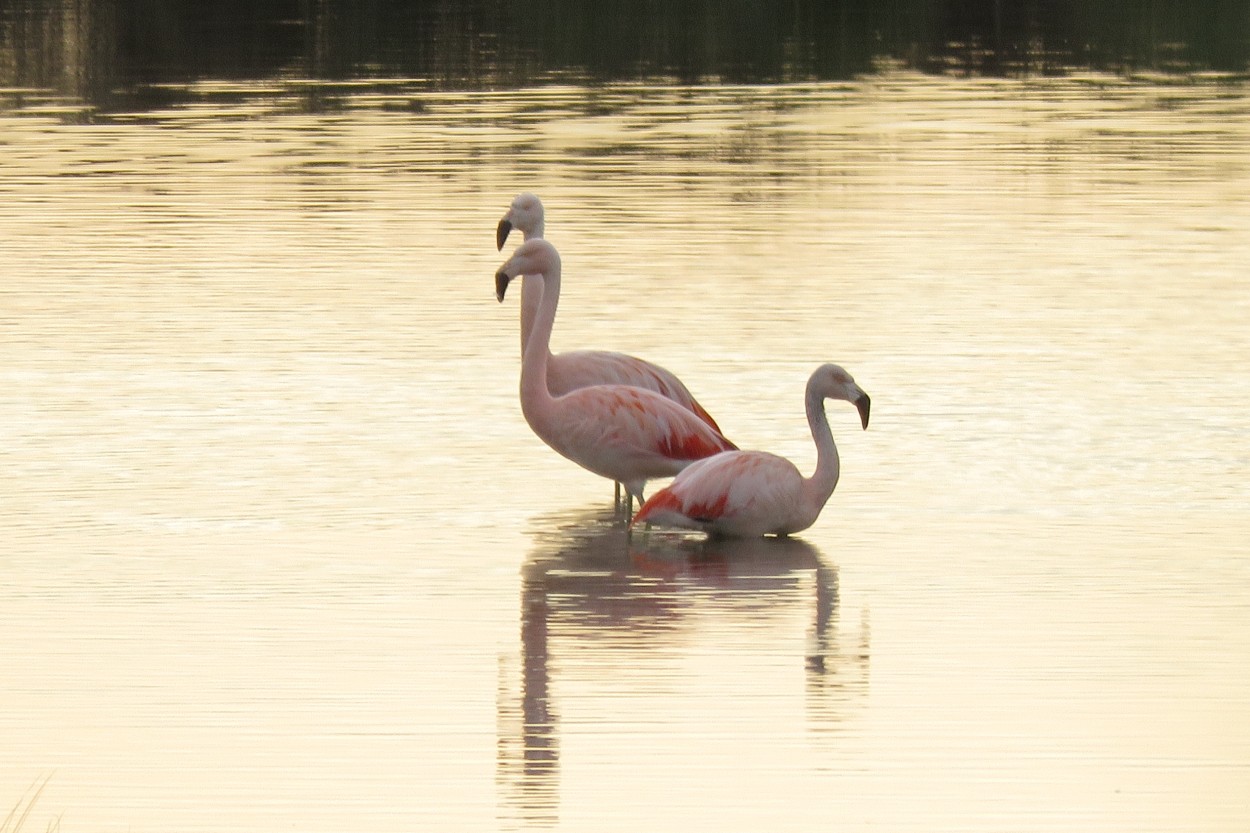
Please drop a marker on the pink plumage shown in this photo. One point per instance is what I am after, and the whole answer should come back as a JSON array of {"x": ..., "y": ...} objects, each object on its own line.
[
  {"x": 752, "y": 493},
  {"x": 569, "y": 371},
  {"x": 624, "y": 433}
]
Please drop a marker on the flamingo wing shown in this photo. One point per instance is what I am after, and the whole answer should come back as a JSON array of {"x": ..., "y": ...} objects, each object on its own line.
[
  {"x": 649, "y": 422},
  {"x": 629, "y": 433},
  {"x": 576, "y": 369},
  {"x": 746, "y": 493}
]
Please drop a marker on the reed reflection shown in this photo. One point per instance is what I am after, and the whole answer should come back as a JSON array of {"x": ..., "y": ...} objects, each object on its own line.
[
  {"x": 591, "y": 586},
  {"x": 120, "y": 55}
]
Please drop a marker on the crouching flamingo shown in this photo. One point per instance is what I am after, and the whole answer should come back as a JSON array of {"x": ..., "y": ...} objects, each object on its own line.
[
  {"x": 620, "y": 432},
  {"x": 746, "y": 494}
]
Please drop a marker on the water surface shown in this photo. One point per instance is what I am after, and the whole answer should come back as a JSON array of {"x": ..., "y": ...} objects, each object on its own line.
[{"x": 281, "y": 552}]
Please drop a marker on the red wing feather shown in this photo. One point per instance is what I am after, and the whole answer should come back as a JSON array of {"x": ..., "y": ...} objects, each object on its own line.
[
  {"x": 659, "y": 502},
  {"x": 668, "y": 501},
  {"x": 693, "y": 446}
]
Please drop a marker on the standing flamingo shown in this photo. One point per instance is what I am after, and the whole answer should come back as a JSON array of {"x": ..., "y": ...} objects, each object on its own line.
[
  {"x": 620, "y": 432},
  {"x": 746, "y": 494},
  {"x": 584, "y": 368}
]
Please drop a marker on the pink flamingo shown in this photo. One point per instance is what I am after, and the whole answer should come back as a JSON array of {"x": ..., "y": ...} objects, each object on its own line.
[
  {"x": 620, "y": 432},
  {"x": 583, "y": 368},
  {"x": 746, "y": 494}
]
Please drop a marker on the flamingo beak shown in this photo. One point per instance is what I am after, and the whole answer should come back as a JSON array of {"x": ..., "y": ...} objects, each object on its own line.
[
  {"x": 501, "y": 284},
  {"x": 501, "y": 232},
  {"x": 862, "y": 403}
]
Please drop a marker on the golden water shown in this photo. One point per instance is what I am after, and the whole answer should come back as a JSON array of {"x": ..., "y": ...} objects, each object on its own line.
[{"x": 279, "y": 551}]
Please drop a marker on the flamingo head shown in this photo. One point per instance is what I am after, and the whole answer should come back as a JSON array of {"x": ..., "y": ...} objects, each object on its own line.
[
  {"x": 533, "y": 257},
  {"x": 525, "y": 214},
  {"x": 832, "y": 382}
]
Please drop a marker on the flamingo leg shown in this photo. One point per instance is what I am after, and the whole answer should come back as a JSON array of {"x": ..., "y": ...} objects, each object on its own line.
[{"x": 623, "y": 502}]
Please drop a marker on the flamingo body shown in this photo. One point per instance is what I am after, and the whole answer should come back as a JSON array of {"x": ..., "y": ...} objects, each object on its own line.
[
  {"x": 747, "y": 494},
  {"x": 621, "y": 432},
  {"x": 738, "y": 494},
  {"x": 570, "y": 371},
  {"x": 625, "y": 433}
]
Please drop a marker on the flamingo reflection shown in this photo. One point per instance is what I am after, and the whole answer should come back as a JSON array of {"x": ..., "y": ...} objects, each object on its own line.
[{"x": 594, "y": 591}]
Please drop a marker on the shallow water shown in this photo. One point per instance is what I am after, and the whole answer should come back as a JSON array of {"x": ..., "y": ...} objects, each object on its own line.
[{"x": 280, "y": 550}]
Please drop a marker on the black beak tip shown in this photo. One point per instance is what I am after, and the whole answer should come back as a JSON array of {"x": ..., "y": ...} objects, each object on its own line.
[
  {"x": 863, "y": 405},
  {"x": 501, "y": 233},
  {"x": 501, "y": 285}
]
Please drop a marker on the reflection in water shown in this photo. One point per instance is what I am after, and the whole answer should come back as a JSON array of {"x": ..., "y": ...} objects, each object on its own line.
[{"x": 590, "y": 582}]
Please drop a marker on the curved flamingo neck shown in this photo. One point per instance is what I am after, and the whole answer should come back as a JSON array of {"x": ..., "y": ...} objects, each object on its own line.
[
  {"x": 535, "y": 397},
  {"x": 531, "y": 295},
  {"x": 818, "y": 487}
]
